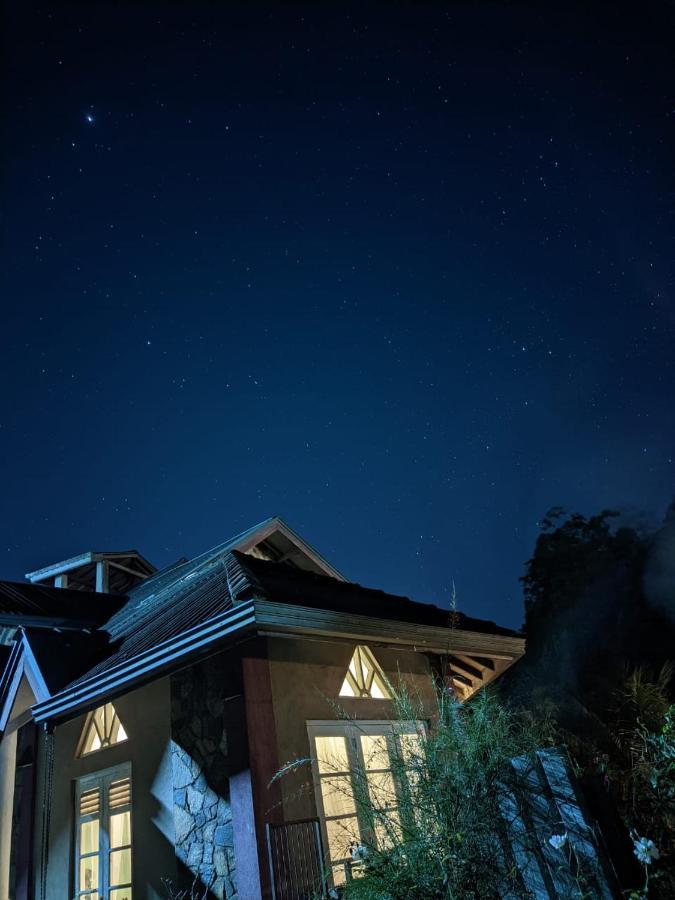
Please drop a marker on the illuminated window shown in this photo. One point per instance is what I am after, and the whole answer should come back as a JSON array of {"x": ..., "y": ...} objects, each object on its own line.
[
  {"x": 102, "y": 729},
  {"x": 364, "y": 677},
  {"x": 348, "y": 757},
  {"x": 103, "y": 836}
]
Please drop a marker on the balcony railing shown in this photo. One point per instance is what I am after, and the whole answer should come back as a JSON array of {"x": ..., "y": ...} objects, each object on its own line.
[{"x": 296, "y": 860}]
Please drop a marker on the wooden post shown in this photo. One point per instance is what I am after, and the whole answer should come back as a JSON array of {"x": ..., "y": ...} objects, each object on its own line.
[
  {"x": 263, "y": 753},
  {"x": 102, "y": 576}
]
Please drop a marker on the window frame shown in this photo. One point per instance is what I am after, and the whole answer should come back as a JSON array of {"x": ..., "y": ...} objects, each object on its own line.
[
  {"x": 351, "y": 730},
  {"x": 101, "y": 780},
  {"x": 90, "y": 723}
]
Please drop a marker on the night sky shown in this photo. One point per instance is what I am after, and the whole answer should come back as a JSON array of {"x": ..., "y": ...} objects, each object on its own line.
[{"x": 401, "y": 274}]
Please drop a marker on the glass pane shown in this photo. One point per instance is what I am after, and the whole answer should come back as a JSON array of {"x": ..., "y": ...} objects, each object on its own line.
[
  {"x": 93, "y": 896},
  {"x": 332, "y": 753},
  {"x": 376, "y": 691},
  {"x": 89, "y": 873},
  {"x": 381, "y": 789},
  {"x": 375, "y": 751},
  {"x": 89, "y": 837},
  {"x": 341, "y": 833},
  {"x": 120, "y": 829},
  {"x": 120, "y": 867},
  {"x": 387, "y": 828},
  {"x": 411, "y": 748},
  {"x": 339, "y": 874},
  {"x": 338, "y": 797},
  {"x": 346, "y": 690},
  {"x": 121, "y": 894}
]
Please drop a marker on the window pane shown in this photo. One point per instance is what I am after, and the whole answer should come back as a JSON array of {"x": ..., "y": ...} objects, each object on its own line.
[
  {"x": 375, "y": 751},
  {"x": 89, "y": 837},
  {"x": 387, "y": 829},
  {"x": 121, "y": 894},
  {"x": 332, "y": 754},
  {"x": 381, "y": 789},
  {"x": 341, "y": 833},
  {"x": 93, "y": 896},
  {"x": 120, "y": 829},
  {"x": 338, "y": 798},
  {"x": 89, "y": 873},
  {"x": 411, "y": 747},
  {"x": 120, "y": 867}
]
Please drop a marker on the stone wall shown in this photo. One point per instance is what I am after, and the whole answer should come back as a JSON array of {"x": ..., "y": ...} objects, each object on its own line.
[{"x": 203, "y": 722}]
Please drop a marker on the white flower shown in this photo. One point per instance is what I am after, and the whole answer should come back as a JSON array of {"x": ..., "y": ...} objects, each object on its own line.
[
  {"x": 645, "y": 850},
  {"x": 558, "y": 841}
]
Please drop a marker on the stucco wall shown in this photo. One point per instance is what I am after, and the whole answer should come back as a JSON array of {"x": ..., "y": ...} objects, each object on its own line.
[
  {"x": 145, "y": 715},
  {"x": 306, "y": 677}
]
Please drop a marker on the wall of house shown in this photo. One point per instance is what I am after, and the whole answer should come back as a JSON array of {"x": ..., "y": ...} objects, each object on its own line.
[
  {"x": 306, "y": 678},
  {"x": 146, "y": 716},
  {"x": 208, "y": 748},
  {"x": 24, "y": 699}
]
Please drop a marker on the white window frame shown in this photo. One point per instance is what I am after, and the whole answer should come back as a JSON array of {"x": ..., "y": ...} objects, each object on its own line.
[
  {"x": 351, "y": 729},
  {"x": 101, "y": 781}
]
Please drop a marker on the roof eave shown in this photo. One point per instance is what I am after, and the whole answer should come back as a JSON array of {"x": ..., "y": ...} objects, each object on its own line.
[{"x": 274, "y": 619}]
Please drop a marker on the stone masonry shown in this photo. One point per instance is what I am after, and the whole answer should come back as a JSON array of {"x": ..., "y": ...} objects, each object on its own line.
[{"x": 201, "y": 797}]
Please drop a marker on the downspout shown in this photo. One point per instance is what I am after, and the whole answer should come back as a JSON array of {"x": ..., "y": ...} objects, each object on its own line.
[{"x": 47, "y": 790}]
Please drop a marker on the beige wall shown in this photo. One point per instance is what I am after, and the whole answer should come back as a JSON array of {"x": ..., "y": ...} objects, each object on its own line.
[
  {"x": 306, "y": 678},
  {"x": 25, "y": 698},
  {"x": 145, "y": 714}
]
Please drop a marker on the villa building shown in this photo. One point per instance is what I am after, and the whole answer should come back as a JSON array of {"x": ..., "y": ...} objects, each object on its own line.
[{"x": 144, "y": 713}]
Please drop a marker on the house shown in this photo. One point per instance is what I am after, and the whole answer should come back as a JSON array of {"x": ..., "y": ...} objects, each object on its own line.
[{"x": 144, "y": 714}]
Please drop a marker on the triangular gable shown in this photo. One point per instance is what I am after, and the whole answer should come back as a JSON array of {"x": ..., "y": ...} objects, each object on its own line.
[
  {"x": 365, "y": 679},
  {"x": 272, "y": 539},
  {"x": 21, "y": 664},
  {"x": 275, "y": 540},
  {"x": 102, "y": 728}
]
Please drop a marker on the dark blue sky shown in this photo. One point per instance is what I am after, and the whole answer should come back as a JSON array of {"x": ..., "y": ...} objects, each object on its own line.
[{"x": 399, "y": 273}]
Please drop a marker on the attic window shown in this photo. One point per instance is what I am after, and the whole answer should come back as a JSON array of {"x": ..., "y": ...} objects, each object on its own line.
[
  {"x": 365, "y": 678},
  {"x": 102, "y": 729}
]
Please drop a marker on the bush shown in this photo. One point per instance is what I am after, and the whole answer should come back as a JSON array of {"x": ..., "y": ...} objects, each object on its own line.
[{"x": 442, "y": 841}]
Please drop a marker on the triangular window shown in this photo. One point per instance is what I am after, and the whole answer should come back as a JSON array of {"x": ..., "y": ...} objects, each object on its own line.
[
  {"x": 102, "y": 729},
  {"x": 364, "y": 677}
]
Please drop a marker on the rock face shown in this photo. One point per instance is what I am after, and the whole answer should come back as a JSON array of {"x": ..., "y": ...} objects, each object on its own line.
[{"x": 201, "y": 793}]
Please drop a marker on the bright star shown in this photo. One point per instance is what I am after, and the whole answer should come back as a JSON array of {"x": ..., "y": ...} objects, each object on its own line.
[{"x": 90, "y": 118}]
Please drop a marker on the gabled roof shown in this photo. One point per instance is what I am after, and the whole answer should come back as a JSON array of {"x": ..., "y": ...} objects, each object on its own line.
[{"x": 192, "y": 607}]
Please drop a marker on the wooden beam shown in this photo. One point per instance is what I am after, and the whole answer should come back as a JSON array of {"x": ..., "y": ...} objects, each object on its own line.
[
  {"x": 460, "y": 665},
  {"x": 484, "y": 662}
]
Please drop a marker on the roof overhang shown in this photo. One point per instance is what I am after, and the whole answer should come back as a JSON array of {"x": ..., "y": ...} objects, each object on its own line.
[{"x": 492, "y": 653}]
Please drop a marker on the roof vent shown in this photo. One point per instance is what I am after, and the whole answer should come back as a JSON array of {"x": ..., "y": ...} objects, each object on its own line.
[{"x": 108, "y": 573}]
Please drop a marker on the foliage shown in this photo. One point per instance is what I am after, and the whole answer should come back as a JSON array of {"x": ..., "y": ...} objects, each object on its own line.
[
  {"x": 599, "y": 644},
  {"x": 197, "y": 891},
  {"x": 441, "y": 843}
]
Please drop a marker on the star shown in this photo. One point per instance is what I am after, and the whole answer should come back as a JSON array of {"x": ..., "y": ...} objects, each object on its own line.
[{"x": 90, "y": 118}]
